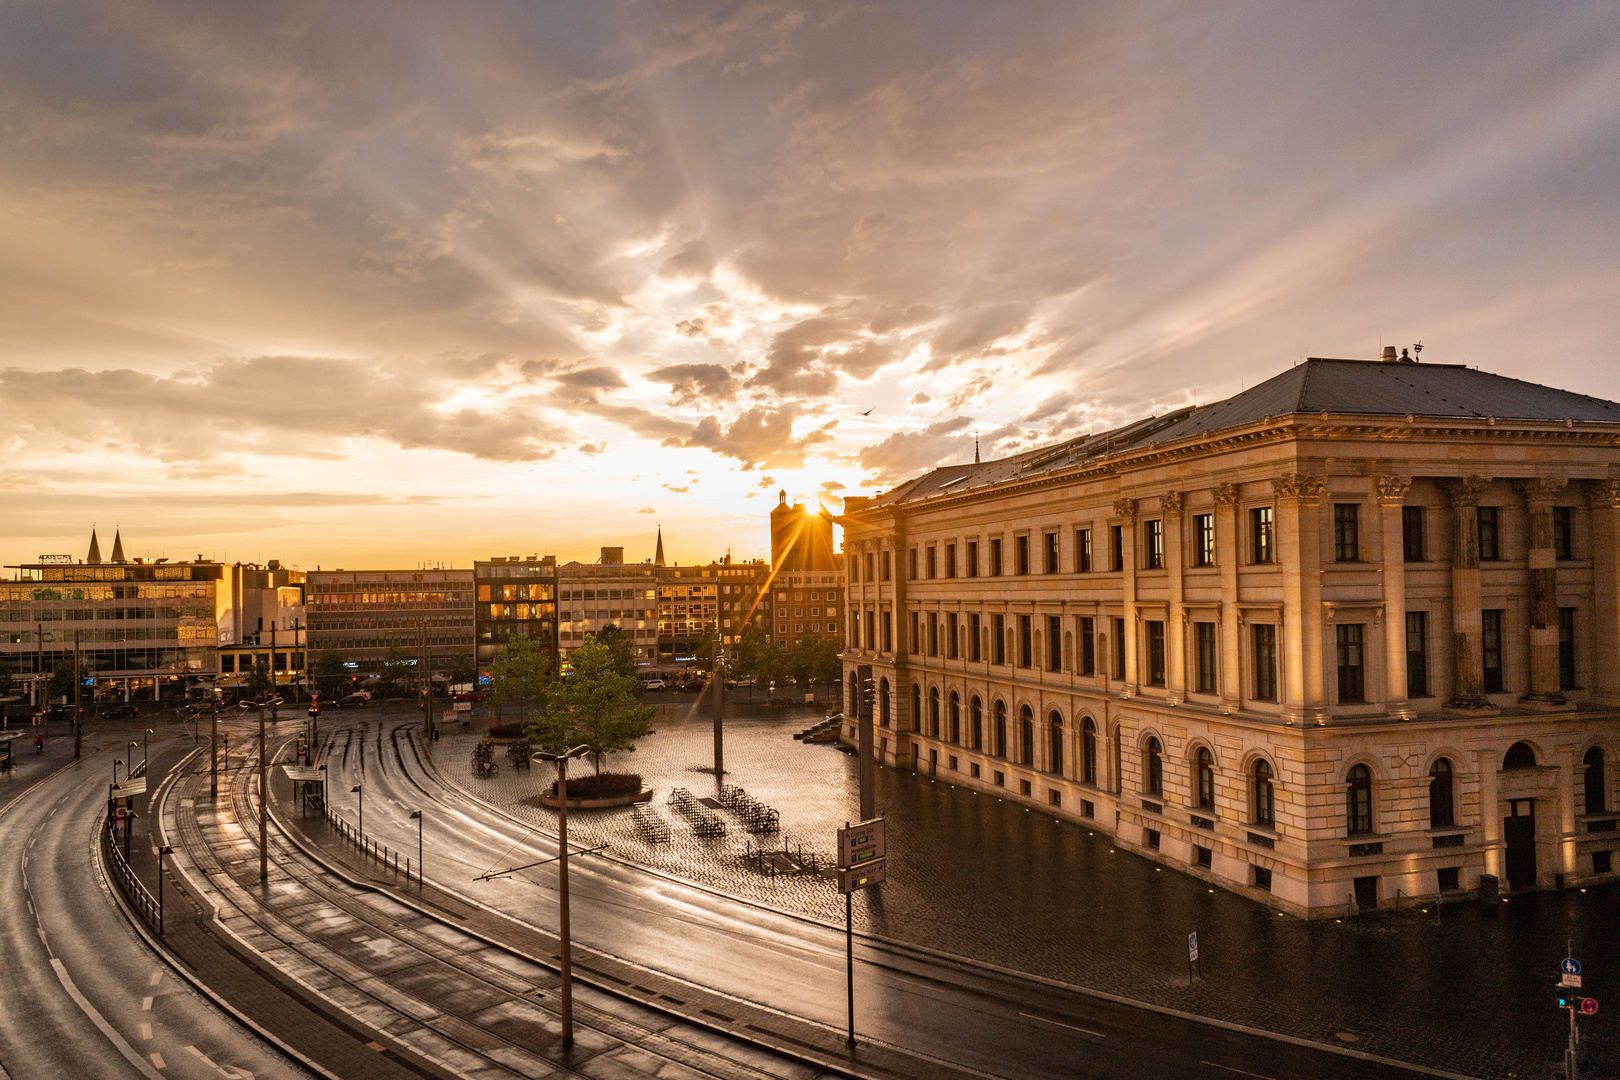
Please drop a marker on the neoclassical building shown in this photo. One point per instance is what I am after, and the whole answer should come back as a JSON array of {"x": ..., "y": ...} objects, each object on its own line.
[{"x": 1349, "y": 638}]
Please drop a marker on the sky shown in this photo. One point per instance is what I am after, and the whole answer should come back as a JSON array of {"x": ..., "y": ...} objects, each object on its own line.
[{"x": 394, "y": 284}]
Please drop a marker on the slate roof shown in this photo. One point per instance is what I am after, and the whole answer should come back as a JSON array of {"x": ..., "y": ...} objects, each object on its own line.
[{"x": 1338, "y": 387}]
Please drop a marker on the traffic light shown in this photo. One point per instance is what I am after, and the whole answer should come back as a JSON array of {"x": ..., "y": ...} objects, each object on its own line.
[{"x": 1565, "y": 1001}]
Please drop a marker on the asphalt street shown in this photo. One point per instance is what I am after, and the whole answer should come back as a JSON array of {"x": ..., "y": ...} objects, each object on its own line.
[{"x": 996, "y": 1024}]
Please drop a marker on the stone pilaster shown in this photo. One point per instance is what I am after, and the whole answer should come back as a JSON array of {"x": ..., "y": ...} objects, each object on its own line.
[
  {"x": 1467, "y": 648},
  {"x": 1125, "y": 515},
  {"x": 1543, "y": 562},
  {"x": 1603, "y": 499},
  {"x": 1392, "y": 561},
  {"x": 1175, "y": 628},
  {"x": 1227, "y": 547},
  {"x": 1299, "y": 549}
]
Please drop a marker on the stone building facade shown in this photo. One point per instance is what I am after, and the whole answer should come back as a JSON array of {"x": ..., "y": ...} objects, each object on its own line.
[{"x": 1347, "y": 639}]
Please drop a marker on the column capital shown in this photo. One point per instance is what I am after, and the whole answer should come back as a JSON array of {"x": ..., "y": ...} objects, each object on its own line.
[
  {"x": 1226, "y": 495},
  {"x": 1299, "y": 489},
  {"x": 1466, "y": 490},
  {"x": 1125, "y": 508},
  {"x": 1540, "y": 489},
  {"x": 1171, "y": 502},
  {"x": 1602, "y": 494},
  {"x": 1392, "y": 489}
]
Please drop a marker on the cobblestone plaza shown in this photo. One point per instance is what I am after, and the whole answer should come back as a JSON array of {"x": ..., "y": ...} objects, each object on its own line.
[{"x": 1467, "y": 989}]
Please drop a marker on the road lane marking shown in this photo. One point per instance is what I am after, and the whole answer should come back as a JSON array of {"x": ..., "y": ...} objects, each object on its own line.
[
  {"x": 1240, "y": 1072},
  {"x": 158, "y": 1062},
  {"x": 101, "y": 1022},
  {"x": 146, "y": 1004},
  {"x": 146, "y": 1032},
  {"x": 157, "y": 977},
  {"x": 1061, "y": 1024}
]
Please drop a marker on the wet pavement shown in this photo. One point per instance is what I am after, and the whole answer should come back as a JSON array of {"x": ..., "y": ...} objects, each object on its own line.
[{"x": 1468, "y": 989}]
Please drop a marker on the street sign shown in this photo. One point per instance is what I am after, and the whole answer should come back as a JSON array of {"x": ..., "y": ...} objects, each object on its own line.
[
  {"x": 1570, "y": 966},
  {"x": 1588, "y": 1006},
  {"x": 853, "y": 878},
  {"x": 1570, "y": 980},
  {"x": 862, "y": 843},
  {"x": 1192, "y": 945}
]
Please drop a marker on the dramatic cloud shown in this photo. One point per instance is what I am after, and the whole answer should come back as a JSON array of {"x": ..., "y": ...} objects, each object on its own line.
[{"x": 758, "y": 438}]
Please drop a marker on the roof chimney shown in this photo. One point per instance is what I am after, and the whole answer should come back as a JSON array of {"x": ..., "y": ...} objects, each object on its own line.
[{"x": 1389, "y": 354}]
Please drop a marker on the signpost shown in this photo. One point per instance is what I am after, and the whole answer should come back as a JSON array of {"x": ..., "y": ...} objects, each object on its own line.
[
  {"x": 861, "y": 864},
  {"x": 1570, "y": 976},
  {"x": 1192, "y": 957}
]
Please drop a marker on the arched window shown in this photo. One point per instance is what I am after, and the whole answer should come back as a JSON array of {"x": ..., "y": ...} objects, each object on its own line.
[
  {"x": 1204, "y": 765},
  {"x": 883, "y": 702},
  {"x": 1519, "y": 756},
  {"x": 1055, "y": 729},
  {"x": 1088, "y": 751},
  {"x": 1597, "y": 801},
  {"x": 1001, "y": 729},
  {"x": 1026, "y": 736},
  {"x": 916, "y": 707},
  {"x": 1154, "y": 767},
  {"x": 1264, "y": 795},
  {"x": 1358, "y": 801},
  {"x": 933, "y": 711},
  {"x": 956, "y": 718},
  {"x": 1441, "y": 802},
  {"x": 976, "y": 722}
]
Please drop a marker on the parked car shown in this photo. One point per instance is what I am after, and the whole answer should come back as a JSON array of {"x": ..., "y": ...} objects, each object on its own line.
[
  {"x": 656, "y": 684},
  {"x": 120, "y": 712},
  {"x": 472, "y": 695},
  {"x": 749, "y": 681},
  {"x": 352, "y": 701}
]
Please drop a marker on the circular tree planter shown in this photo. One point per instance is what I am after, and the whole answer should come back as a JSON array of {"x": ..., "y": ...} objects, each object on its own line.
[{"x": 644, "y": 795}]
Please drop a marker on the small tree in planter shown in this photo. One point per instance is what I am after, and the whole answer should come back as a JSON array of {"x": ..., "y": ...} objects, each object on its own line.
[
  {"x": 521, "y": 672},
  {"x": 592, "y": 705}
]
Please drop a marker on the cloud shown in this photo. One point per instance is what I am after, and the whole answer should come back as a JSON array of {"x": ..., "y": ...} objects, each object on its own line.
[
  {"x": 592, "y": 378},
  {"x": 759, "y": 437},
  {"x": 646, "y": 510},
  {"x": 907, "y": 453},
  {"x": 919, "y": 398},
  {"x": 695, "y": 383},
  {"x": 678, "y": 490}
]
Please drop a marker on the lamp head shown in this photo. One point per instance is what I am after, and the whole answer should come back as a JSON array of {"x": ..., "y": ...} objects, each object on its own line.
[{"x": 356, "y": 787}]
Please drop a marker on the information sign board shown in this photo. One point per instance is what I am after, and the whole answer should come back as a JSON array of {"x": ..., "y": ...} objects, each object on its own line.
[
  {"x": 862, "y": 843},
  {"x": 1192, "y": 945},
  {"x": 1573, "y": 981},
  {"x": 852, "y": 878},
  {"x": 1570, "y": 966}
]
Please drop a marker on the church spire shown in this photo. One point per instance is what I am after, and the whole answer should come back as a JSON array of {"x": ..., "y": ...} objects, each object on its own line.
[
  {"x": 94, "y": 558},
  {"x": 118, "y": 546},
  {"x": 658, "y": 556}
]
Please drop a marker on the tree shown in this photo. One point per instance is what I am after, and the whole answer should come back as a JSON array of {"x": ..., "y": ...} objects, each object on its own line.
[
  {"x": 757, "y": 656},
  {"x": 593, "y": 705},
  {"x": 620, "y": 648},
  {"x": 521, "y": 672},
  {"x": 259, "y": 683},
  {"x": 801, "y": 663},
  {"x": 828, "y": 664},
  {"x": 398, "y": 669},
  {"x": 62, "y": 675},
  {"x": 331, "y": 676},
  {"x": 462, "y": 671},
  {"x": 6, "y": 684},
  {"x": 707, "y": 645}
]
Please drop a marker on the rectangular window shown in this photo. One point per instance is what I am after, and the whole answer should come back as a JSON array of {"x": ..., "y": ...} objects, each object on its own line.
[
  {"x": 871, "y": 629},
  {"x": 1054, "y": 643},
  {"x": 887, "y": 564},
  {"x": 1260, "y": 526},
  {"x": 1412, "y": 533},
  {"x": 1490, "y": 534},
  {"x": 1265, "y": 662},
  {"x": 1021, "y": 553},
  {"x": 1566, "y": 648},
  {"x": 995, "y": 557},
  {"x": 1155, "y": 652},
  {"x": 1049, "y": 547},
  {"x": 916, "y": 634},
  {"x": 1116, "y": 547},
  {"x": 912, "y": 569},
  {"x": 1203, "y": 539},
  {"x": 1153, "y": 544},
  {"x": 998, "y": 639},
  {"x": 932, "y": 562},
  {"x": 888, "y": 631},
  {"x": 1563, "y": 532},
  {"x": 951, "y": 637},
  {"x": 1261, "y": 877},
  {"x": 1352, "y": 672},
  {"x": 975, "y": 652},
  {"x": 1119, "y": 649},
  {"x": 1346, "y": 532},
  {"x": 1082, "y": 551},
  {"x": 973, "y": 558},
  {"x": 1447, "y": 878},
  {"x": 1206, "y": 856},
  {"x": 1491, "y": 642},
  {"x": 933, "y": 633},
  {"x": 950, "y": 560},
  {"x": 1026, "y": 651},
  {"x": 1204, "y": 638},
  {"x": 1088, "y": 646},
  {"x": 1417, "y": 654},
  {"x": 868, "y": 560}
]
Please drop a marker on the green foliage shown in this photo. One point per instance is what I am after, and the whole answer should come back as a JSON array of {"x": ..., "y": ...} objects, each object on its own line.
[
  {"x": 61, "y": 684},
  {"x": 619, "y": 646},
  {"x": 815, "y": 660},
  {"x": 521, "y": 672},
  {"x": 6, "y": 684},
  {"x": 331, "y": 677},
  {"x": 259, "y": 683},
  {"x": 758, "y": 656},
  {"x": 398, "y": 671},
  {"x": 593, "y": 705},
  {"x": 462, "y": 670},
  {"x": 829, "y": 665}
]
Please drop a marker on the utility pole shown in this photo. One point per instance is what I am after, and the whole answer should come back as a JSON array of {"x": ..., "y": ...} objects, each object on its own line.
[
  {"x": 264, "y": 799},
  {"x": 566, "y": 965},
  {"x": 717, "y": 683},
  {"x": 213, "y": 747},
  {"x": 41, "y": 685},
  {"x": 78, "y": 734}
]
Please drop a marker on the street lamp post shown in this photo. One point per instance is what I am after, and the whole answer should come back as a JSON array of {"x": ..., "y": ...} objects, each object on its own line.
[
  {"x": 264, "y": 805},
  {"x": 132, "y": 745},
  {"x": 562, "y": 883},
  {"x": 213, "y": 748},
  {"x": 359, "y": 789},
  {"x": 164, "y": 850},
  {"x": 146, "y": 746},
  {"x": 416, "y": 815},
  {"x": 116, "y": 762}
]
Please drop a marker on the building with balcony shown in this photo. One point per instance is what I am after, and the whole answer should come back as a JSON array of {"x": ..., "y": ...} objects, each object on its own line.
[
  {"x": 517, "y": 597},
  {"x": 1350, "y": 636},
  {"x": 362, "y": 614}
]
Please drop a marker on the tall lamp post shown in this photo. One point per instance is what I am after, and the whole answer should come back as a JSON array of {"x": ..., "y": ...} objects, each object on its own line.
[
  {"x": 164, "y": 850},
  {"x": 213, "y": 748},
  {"x": 360, "y": 790},
  {"x": 416, "y": 815},
  {"x": 562, "y": 882},
  {"x": 264, "y": 805}
]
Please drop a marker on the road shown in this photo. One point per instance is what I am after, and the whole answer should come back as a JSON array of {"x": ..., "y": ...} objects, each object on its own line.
[
  {"x": 971, "y": 1017},
  {"x": 83, "y": 996}
]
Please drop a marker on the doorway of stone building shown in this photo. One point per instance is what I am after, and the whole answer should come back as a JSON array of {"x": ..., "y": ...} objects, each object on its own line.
[
  {"x": 1519, "y": 832},
  {"x": 1367, "y": 893}
]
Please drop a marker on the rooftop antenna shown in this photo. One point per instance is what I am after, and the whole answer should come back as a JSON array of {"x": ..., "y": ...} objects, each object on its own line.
[
  {"x": 975, "y": 448},
  {"x": 1417, "y": 348}
]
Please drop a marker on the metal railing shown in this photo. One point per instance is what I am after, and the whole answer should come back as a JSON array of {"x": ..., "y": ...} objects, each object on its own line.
[
  {"x": 371, "y": 848},
  {"x": 149, "y": 909}
]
